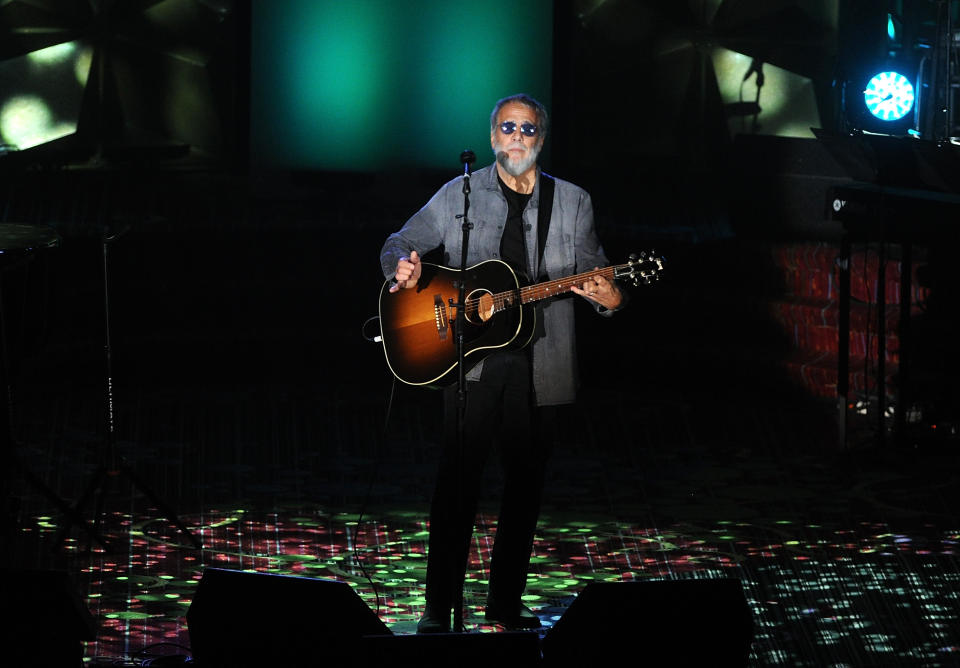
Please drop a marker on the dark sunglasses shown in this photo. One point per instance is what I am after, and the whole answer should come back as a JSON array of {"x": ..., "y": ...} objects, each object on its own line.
[{"x": 526, "y": 129}]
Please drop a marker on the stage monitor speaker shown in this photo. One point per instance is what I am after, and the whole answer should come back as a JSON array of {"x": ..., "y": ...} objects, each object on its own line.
[
  {"x": 46, "y": 619},
  {"x": 676, "y": 622},
  {"x": 463, "y": 650},
  {"x": 261, "y": 619}
]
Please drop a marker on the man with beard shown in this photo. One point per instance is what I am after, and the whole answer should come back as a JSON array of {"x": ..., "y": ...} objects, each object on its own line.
[{"x": 513, "y": 395}]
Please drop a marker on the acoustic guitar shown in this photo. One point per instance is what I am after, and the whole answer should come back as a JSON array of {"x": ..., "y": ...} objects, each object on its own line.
[{"x": 417, "y": 324}]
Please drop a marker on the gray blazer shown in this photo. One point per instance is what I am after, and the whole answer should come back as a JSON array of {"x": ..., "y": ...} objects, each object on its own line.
[{"x": 572, "y": 247}]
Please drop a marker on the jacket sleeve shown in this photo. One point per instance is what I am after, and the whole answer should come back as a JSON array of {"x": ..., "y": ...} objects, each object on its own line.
[
  {"x": 589, "y": 251},
  {"x": 422, "y": 233}
]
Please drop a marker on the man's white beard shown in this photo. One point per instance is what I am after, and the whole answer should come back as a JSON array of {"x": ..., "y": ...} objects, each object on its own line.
[{"x": 516, "y": 166}]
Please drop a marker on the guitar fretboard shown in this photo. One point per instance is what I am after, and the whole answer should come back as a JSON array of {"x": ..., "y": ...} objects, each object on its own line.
[{"x": 533, "y": 293}]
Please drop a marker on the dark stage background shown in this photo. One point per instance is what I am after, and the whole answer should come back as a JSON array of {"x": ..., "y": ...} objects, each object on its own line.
[
  {"x": 216, "y": 252},
  {"x": 241, "y": 288}
]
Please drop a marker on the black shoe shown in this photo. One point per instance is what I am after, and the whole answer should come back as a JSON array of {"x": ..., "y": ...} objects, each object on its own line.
[
  {"x": 434, "y": 622},
  {"x": 514, "y": 618}
]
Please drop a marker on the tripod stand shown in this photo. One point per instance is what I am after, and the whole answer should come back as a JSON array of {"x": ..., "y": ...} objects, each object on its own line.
[
  {"x": 17, "y": 241},
  {"x": 113, "y": 470}
]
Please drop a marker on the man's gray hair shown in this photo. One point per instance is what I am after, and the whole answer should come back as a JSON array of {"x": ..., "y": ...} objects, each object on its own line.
[{"x": 543, "y": 119}]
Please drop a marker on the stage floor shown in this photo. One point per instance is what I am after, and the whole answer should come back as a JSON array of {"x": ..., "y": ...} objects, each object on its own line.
[{"x": 845, "y": 558}]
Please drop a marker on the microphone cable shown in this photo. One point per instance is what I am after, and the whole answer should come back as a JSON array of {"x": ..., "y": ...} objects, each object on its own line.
[{"x": 373, "y": 476}]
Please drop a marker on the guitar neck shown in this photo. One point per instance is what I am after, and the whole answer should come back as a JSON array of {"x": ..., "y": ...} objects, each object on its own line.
[
  {"x": 533, "y": 293},
  {"x": 644, "y": 268}
]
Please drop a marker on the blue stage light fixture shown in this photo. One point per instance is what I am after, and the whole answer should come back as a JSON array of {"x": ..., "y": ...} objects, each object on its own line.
[{"x": 889, "y": 96}]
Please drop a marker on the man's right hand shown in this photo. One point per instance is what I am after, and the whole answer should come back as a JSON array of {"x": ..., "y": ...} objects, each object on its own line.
[{"x": 408, "y": 272}]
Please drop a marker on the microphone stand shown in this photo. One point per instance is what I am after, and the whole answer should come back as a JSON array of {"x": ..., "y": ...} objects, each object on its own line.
[
  {"x": 8, "y": 440},
  {"x": 113, "y": 466},
  {"x": 467, "y": 158}
]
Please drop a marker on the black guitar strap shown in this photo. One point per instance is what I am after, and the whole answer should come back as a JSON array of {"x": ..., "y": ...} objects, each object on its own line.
[{"x": 543, "y": 217}]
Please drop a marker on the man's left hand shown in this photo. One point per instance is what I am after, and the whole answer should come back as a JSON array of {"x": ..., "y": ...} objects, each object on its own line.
[{"x": 600, "y": 290}]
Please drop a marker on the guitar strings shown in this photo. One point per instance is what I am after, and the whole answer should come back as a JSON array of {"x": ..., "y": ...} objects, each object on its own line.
[
  {"x": 538, "y": 291},
  {"x": 550, "y": 288}
]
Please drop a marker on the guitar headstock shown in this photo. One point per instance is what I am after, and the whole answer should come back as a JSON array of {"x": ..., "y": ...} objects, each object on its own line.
[{"x": 643, "y": 268}]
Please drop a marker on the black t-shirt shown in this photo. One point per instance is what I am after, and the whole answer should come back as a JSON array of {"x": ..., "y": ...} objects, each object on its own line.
[{"x": 512, "y": 246}]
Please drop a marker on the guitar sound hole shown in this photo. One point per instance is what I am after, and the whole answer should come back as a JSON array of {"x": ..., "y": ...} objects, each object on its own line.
[{"x": 479, "y": 307}]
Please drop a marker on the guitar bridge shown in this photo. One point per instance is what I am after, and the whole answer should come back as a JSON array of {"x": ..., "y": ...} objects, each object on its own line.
[{"x": 440, "y": 315}]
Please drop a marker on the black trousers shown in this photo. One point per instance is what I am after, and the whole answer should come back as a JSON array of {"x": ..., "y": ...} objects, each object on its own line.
[{"x": 499, "y": 410}]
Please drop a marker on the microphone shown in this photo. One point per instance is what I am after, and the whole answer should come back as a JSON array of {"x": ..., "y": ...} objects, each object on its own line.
[{"x": 467, "y": 158}]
